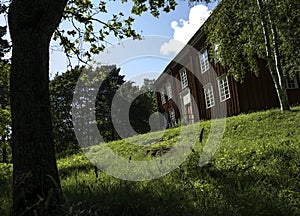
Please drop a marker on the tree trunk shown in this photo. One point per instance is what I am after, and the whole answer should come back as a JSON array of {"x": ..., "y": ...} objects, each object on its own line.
[
  {"x": 284, "y": 101},
  {"x": 273, "y": 56},
  {"x": 36, "y": 185}
]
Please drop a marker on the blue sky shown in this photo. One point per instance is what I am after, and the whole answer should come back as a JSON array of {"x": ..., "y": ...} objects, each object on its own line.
[{"x": 178, "y": 25}]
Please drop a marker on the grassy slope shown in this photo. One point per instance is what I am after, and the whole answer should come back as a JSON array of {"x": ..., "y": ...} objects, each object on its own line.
[{"x": 255, "y": 171}]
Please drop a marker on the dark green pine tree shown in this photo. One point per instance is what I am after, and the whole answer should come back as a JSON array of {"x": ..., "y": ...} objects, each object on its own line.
[
  {"x": 143, "y": 106},
  {"x": 62, "y": 88},
  {"x": 61, "y": 96},
  {"x": 5, "y": 116},
  {"x": 111, "y": 83}
]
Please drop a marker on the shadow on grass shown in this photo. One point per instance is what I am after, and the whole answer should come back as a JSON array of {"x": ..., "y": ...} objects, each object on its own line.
[
  {"x": 126, "y": 199},
  {"x": 205, "y": 191},
  {"x": 260, "y": 184}
]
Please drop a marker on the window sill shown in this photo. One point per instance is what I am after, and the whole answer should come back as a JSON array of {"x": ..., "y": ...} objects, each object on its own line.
[
  {"x": 204, "y": 71},
  {"x": 210, "y": 107},
  {"x": 224, "y": 99}
]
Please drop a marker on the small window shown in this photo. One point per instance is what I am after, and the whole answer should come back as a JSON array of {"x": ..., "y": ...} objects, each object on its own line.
[
  {"x": 204, "y": 63},
  {"x": 209, "y": 96},
  {"x": 169, "y": 91},
  {"x": 183, "y": 78},
  {"x": 172, "y": 115},
  {"x": 291, "y": 83},
  {"x": 162, "y": 96},
  {"x": 223, "y": 88}
]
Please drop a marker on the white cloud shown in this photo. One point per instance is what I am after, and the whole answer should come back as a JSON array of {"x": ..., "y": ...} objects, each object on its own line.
[{"x": 185, "y": 29}]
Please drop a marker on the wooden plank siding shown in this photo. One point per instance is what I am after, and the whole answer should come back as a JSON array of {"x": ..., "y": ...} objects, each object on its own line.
[
  {"x": 257, "y": 93},
  {"x": 254, "y": 93}
]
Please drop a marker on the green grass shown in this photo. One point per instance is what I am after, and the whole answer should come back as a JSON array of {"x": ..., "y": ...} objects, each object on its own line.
[{"x": 255, "y": 171}]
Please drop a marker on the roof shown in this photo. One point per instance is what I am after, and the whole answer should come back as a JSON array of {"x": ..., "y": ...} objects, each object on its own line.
[{"x": 192, "y": 42}]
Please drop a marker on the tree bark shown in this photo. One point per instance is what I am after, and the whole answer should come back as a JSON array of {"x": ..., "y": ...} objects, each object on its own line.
[
  {"x": 36, "y": 185},
  {"x": 273, "y": 56},
  {"x": 284, "y": 105}
]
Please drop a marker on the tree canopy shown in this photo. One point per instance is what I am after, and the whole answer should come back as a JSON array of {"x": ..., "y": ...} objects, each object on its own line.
[
  {"x": 62, "y": 88},
  {"x": 88, "y": 27},
  {"x": 236, "y": 28},
  {"x": 251, "y": 33}
]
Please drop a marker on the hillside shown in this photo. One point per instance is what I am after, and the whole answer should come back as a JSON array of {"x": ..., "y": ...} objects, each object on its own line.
[{"x": 255, "y": 171}]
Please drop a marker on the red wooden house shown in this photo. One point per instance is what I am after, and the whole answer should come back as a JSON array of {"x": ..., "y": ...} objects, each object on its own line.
[{"x": 192, "y": 88}]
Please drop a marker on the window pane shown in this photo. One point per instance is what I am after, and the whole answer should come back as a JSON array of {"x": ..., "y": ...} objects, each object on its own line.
[
  {"x": 223, "y": 88},
  {"x": 162, "y": 96},
  {"x": 169, "y": 91},
  {"x": 204, "y": 64},
  {"x": 172, "y": 115},
  {"x": 209, "y": 96},
  {"x": 183, "y": 78},
  {"x": 291, "y": 83}
]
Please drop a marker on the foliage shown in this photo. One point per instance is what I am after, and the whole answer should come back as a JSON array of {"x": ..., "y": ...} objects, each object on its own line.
[
  {"x": 111, "y": 83},
  {"x": 61, "y": 96},
  {"x": 85, "y": 15},
  {"x": 235, "y": 47},
  {"x": 4, "y": 45},
  {"x": 149, "y": 102},
  {"x": 142, "y": 102},
  {"x": 5, "y": 130},
  {"x": 5, "y": 188},
  {"x": 5, "y": 115},
  {"x": 62, "y": 88},
  {"x": 4, "y": 121},
  {"x": 287, "y": 12},
  {"x": 253, "y": 35},
  {"x": 4, "y": 84},
  {"x": 4, "y": 98},
  {"x": 236, "y": 28}
]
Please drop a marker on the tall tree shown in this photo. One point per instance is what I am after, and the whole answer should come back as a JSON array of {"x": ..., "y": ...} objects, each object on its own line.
[
  {"x": 62, "y": 88},
  {"x": 61, "y": 96},
  {"x": 143, "y": 107},
  {"x": 247, "y": 32},
  {"x": 112, "y": 80},
  {"x": 32, "y": 24},
  {"x": 36, "y": 185},
  {"x": 5, "y": 122}
]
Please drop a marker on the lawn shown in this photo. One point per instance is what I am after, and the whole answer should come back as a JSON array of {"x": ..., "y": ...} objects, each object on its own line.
[{"x": 255, "y": 171}]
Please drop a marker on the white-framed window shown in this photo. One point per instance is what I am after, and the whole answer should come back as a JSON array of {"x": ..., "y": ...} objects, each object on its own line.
[
  {"x": 291, "y": 83},
  {"x": 172, "y": 115},
  {"x": 204, "y": 63},
  {"x": 163, "y": 96},
  {"x": 223, "y": 88},
  {"x": 183, "y": 78},
  {"x": 209, "y": 96},
  {"x": 169, "y": 90}
]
